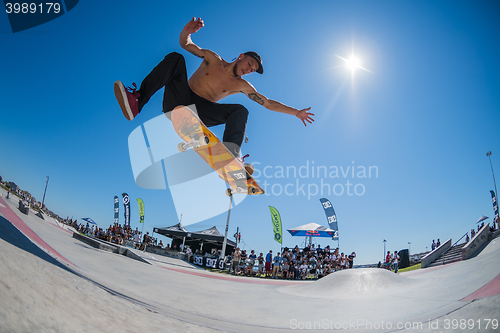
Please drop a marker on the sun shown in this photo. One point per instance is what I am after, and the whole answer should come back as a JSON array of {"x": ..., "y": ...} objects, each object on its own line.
[{"x": 353, "y": 63}]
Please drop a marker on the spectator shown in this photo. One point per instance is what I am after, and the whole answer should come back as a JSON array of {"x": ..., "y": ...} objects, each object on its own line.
[
  {"x": 327, "y": 269},
  {"x": 303, "y": 270},
  {"x": 433, "y": 246},
  {"x": 388, "y": 259},
  {"x": 293, "y": 270},
  {"x": 269, "y": 259},
  {"x": 285, "y": 273},
  {"x": 252, "y": 256},
  {"x": 260, "y": 260},
  {"x": 438, "y": 244},
  {"x": 250, "y": 263},
  {"x": 276, "y": 265},
  {"x": 248, "y": 271},
  {"x": 137, "y": 239},
  {"x": 343, "y": 261},
  {"x": 334, "y": 259},
  {"x": 189, "y": 253},
  {"x": 236, "y": 259},
  {"x": 145, "y": 241},
  {"x": 395, "y": 261},
  {"x": 351, "y": 259},
  {"x": 244, "y": 256}
]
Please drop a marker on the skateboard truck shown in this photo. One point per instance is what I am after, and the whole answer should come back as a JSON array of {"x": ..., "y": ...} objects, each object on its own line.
[
  {"x": 195, "y": 143},
  {"x": 249, "y": 190}
]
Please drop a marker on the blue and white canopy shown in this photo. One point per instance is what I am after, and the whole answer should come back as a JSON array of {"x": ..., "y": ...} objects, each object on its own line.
[{"x": 312, "y": 230}]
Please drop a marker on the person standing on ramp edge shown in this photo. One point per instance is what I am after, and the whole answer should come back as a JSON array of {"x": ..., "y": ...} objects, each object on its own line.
[{"x": 212, "y": 81}]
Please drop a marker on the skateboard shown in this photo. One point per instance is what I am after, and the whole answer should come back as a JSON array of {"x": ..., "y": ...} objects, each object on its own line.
[{"x": 198, "y": 137}]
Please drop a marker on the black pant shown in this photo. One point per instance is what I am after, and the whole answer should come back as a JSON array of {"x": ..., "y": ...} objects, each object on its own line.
[{"x": 171, "y": 74}]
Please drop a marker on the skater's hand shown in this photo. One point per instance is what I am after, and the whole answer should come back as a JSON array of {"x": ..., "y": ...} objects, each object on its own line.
[
  {"x": 305, "y": 116},
  {"x": 194, "y": 25}
]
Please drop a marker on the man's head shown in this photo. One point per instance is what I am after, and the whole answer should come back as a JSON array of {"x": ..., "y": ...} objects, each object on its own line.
[{"x": 247, "y": 63}]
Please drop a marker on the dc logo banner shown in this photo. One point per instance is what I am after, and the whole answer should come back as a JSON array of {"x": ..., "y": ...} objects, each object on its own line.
[
  {"x": 331, "y": 217},
  {"x": 198, "y": 261},
  {"x": 211, "y": 263},
  {"x": 25, "y": 15}
]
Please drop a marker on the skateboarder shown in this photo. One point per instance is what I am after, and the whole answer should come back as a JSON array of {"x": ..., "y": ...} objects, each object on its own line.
[{"x": 212, "y": 81}]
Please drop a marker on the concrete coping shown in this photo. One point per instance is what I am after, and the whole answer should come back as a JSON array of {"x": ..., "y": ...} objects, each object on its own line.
[{"x": 476, "y": 242}]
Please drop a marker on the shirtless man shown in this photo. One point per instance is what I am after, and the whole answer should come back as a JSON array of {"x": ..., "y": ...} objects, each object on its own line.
[{"x": 212, "y": 81}]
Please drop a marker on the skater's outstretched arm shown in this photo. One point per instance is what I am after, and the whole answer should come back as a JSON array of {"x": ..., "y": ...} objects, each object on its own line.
[
  {"x": 273, "y": 105},
  {"x": 187, "y": 44},
  {"x": 185, "y": 38}
]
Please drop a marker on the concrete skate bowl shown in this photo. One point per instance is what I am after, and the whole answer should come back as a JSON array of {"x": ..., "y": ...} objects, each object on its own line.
[{"x": 363, "y": 282}]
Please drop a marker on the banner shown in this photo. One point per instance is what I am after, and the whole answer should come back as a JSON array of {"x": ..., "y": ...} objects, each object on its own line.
[
  {"x": 276, "y": 219},
  {"x": 126, "y": 206},
  {"x": 117, "y": 204},
  {"x": 331, "y": 217},
  {"x": 495, "y": 205},
  {"x": 141, "y": 210}
]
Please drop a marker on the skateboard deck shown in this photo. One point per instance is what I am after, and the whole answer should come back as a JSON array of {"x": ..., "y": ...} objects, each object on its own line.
[{"x": 198, "y": 137}]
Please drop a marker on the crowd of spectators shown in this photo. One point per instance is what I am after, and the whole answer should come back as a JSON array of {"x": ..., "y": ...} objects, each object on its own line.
[
  {"x": 123, "y": 235},
  {"x": 310, "y": 262},
  {"x": 115, "y": 233}
]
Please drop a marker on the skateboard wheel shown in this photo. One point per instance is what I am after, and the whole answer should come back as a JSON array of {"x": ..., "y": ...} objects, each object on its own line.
[
  {"x": 203, "y": 140},
  {"x": 251, "y": 190},
  {"x": 181, "y": 147}
]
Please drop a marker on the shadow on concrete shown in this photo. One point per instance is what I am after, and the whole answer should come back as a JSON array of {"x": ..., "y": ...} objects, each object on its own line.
[{"x": 12, "y": 235}]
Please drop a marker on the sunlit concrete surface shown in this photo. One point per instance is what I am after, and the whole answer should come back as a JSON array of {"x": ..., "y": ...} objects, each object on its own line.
[{"x": 52, "y": 282}]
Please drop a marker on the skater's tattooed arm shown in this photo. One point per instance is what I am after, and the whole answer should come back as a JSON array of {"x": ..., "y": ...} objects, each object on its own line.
[
  {"x": 255, "y": 97},
  {"x": 303, "y": 115}
]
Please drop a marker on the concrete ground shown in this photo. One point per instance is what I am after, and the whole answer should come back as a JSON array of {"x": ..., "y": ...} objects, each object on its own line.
[{"x": 51, "y": 282}]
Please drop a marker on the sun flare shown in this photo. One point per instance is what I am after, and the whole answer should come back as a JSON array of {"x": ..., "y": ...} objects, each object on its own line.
[{"x": 353, "y": 63}]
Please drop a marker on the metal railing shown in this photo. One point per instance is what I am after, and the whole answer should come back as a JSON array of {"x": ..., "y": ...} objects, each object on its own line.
[{"x": 459, "y": 239}]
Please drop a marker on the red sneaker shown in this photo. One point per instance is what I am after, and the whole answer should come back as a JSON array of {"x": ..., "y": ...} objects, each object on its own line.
[{"x": 127, "y": 98}]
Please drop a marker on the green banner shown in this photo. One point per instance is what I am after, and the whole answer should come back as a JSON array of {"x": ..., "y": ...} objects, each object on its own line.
[
  {"x": 278, "y": 231},
  {"x": 141, "y": 209}
]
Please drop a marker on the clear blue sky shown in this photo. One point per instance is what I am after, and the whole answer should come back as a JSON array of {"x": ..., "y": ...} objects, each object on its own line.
[{"x": 424, "y": 116}]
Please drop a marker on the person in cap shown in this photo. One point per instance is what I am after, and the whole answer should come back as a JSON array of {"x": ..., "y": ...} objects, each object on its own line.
[{"x": 214, "y": 80}]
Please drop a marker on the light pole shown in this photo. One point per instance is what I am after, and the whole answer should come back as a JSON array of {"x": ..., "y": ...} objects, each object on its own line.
[
  {"x": 495, "y": 184},
  {"x": 384, "y": 250},
  {"x": 409, "y": 251},
  {"x": 491, "y": 165},
  {"x": 46, "y": 183},
  {"x": 39, "y": 214}
]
